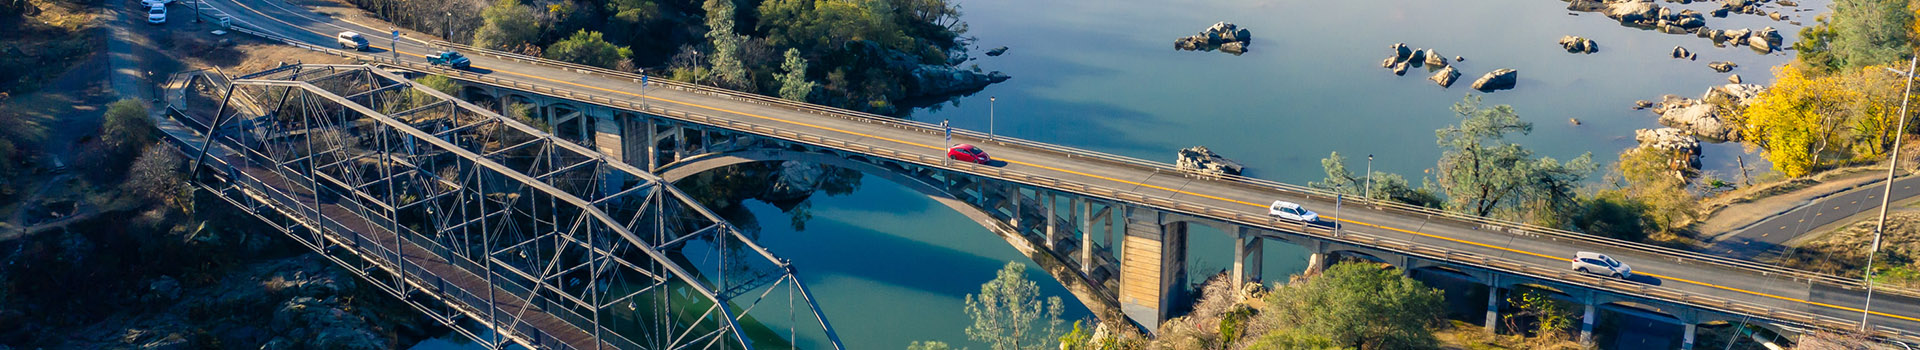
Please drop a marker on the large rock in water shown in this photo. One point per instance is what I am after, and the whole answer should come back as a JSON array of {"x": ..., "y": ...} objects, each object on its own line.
[
  {"x": 1682, "y": 53},
  {"x": 1669, "y": 139},
  {"x": 1499, "y": 79},
  {"x": 1633, "y": 11},
  {"x": 1575, "y": 44},
  {"x": 1739, "y": 95},
  {"x": 1218, "y": 36},
  {"x": 1722, "y": 66},
  {"x": 937, "y": 80},
  {"x": 1445, "y": 77},
  {"x": 1701, "y": 119},
  {"x": 1202, "y": 160},
  {"x": 1435, "y": 60},
  {"x": 1765, "y": 40}
]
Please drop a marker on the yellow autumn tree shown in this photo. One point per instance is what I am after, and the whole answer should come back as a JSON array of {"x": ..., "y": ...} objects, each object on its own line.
[{"x": 1799, "y": 118}]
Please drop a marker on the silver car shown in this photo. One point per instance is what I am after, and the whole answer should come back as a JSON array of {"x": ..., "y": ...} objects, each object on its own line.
[
  {"x": 1291, "y": 211},
  {"x": 1601, "y": 264}
]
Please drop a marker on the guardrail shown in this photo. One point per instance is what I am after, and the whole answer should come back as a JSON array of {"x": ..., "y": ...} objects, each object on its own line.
[
  {"x": 1254, "y": 183},
  {"x": 1501, "y": 264}
]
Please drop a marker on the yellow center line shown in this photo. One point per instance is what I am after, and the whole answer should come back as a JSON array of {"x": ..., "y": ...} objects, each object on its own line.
[{"x": 1178, "y": 191}]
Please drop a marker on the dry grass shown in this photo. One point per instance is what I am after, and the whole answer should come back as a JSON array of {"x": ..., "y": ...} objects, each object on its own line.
[
  {"x": 39, "y": 47},
  {"x": 1466, "y": 336},
  {"x": 1844, "y": 251}
]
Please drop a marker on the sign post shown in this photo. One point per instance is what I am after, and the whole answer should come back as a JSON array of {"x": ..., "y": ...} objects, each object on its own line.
[
  {"x": 396, "y": 46},
  {"x": 948, "y": 131}
]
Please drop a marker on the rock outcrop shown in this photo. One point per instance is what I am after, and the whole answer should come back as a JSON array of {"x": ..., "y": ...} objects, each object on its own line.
[
  {"x": 1217, "y": 37},
  {"x": 997, "y": 51},
  {"x": 1702, "y": 119},
  {"x": 937, "y": 80},
  {"x": 1683, "y": 53},
  {"x": 1499, "y": 79},
  {"x": 1670, "y": 140},
  {"x": 1445, "y": 77},
  {"x": 1735, "y": 79},
  {"x": 1722, "y": 66},
  {"x": 1202, "y": 160},
  {"x": 1435, "y": 60},
  {"x": 1575, "y": 44},
  {"x": 1766, "y": 40}
]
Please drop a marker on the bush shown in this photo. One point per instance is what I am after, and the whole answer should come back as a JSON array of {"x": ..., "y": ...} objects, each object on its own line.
[
  {"x": 1356, "y": 305},
  {"x": 124, "y": 131}
]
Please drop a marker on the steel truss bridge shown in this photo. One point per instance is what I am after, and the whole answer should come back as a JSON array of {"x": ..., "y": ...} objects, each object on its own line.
[{"x": 487, "y": 225}]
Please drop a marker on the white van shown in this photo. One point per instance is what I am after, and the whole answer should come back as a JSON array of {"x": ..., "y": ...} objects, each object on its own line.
[{"x": 351, "y": 41}]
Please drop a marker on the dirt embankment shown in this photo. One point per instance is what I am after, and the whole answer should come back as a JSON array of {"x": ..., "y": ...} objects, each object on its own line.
[{"x": 1844, "y": 250}]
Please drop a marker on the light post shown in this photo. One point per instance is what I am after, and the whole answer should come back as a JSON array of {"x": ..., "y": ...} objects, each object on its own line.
[
  {"x": 990, "y": 100},
  {"x": 1369, "y": 190},
  {"x": 1893, "y": 162},
  {"x": 449, "y": 26}
]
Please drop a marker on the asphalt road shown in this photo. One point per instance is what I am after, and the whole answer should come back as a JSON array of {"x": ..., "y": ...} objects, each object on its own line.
[
  {"x": 1661, "y": 270},
  {"x": 1771, "y": 234}
]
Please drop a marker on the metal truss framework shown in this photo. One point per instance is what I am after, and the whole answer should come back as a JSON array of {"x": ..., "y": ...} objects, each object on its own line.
[{"x": 540, "y": 242}]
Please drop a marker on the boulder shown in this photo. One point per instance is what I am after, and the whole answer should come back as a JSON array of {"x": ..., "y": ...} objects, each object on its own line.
[
  {"x": 1400, "y": 68},
  {"x": 1722, "y": 66},
  {"x": 1459, "y": 58},
  {"x": 1733, "y": 95},
  {"x": 1632, "y": 11},
  {"x": 1401, "y": 52},
  {"x": 1445, "y": 77},
  {"x": 997, "y": 51},
  {"x": 1387, "y": 63},
  {"x": 1701, "y": 119},
  {"x": 1772, "y": 36},
  {"x": 1682, "y": 53},
  {"x": 1733, "y": 79},
  {"x": 1776, "y": 16},
  {"x": 1718, "y": 13},
  {"x": 1435, "y": 60},
  {"x": 1575, "y": 44},
  {"x": 1759, "y": 44},
  {"x": 1737, "y": 36},
  {"x": 1642, "y": 104},
  {"x": 1586, "y": 5},
  {"x": 1418, "y": 58},
  {"x": 1203, "y": 160},
  {"x": 1235, "y": 47},
  {"x": 1499, "y": 79},
  {"x": 1668, "y": 139}
]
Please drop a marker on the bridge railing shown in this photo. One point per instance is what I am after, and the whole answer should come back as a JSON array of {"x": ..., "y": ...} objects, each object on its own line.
[
  {"x": 1479, "y": 222},
  {"x": 1428, "y": 252},
  {"x": 1504, "y": 265}
]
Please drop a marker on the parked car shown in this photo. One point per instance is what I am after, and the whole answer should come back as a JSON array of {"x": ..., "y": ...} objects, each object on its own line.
[
  {"x": 1601, "y": 264},
  {"x": 1292, "y": 211},
  {"x": 450, "y": 59},
  {"x": 351, "y": 41},
  {"x": 155, "y": 3},
  {"x": 969, "y": 153},
  {"x": 157, "y": 15}
]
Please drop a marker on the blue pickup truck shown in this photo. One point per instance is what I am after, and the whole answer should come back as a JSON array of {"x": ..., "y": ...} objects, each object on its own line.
[{"x": 450, "y": 59}]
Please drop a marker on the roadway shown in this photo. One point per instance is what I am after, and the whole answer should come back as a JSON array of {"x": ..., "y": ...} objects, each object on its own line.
[
  {"x": 1657, "y": 269},
  {"x": 1770, "y": 235}
]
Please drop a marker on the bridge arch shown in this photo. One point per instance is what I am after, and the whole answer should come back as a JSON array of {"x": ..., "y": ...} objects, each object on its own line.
[{"x": 1084, "y": 287}]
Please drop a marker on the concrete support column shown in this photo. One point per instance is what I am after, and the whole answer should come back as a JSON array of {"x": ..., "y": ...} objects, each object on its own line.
[
  {"x": 606, "y": 137},
  {"x": 1086, "y": 235},
  {"x": 1013, "y": 192},
  {"x": 1046, "y": 201},
  {"x": 1586, "y": 325},
  {"x": 1316, "y": 262},
  {"x": 1153, "y": 267},
  {"x": 653, "y": 143},
  {"x": 1686, "y": 337},
  {"x": 1248, "y": 256},
  {"x": 1493, "y": 307}
]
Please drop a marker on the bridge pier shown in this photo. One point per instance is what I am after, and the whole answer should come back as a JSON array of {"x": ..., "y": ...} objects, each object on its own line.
[
  {"x": 1686, "y": 336},
  {"x": 1493, "y": 304},
  {"x": 1586, "y": 324},
  {"x": 1153, "y": 267},
  {"x": 1248, "y": 256}
]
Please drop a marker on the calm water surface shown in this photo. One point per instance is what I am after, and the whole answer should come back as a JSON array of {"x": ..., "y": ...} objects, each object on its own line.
[{"x": 890, "y": 266}]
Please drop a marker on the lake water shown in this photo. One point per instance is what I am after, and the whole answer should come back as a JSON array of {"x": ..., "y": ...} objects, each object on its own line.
[{"x": 890, "y": 266}]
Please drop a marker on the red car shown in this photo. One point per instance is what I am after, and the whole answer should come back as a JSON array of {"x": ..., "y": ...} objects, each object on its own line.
[{"x": 968, "y": 153}]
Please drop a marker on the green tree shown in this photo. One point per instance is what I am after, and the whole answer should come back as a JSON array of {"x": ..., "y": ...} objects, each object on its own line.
[
  {"x": 794, "y": 84},
  {"x": 1386, "y": 186},
  {"x": 729, "y": 71},
  {"x": 1009, "y": 314},
  {"x": 1357, "y": 305},
  {"x": 508, "y": 25},
  {"x": 1870, "y": 32},
  {"x": 588, "y": 48},
  {"x": 1552, "y": 318},
  {"x": 1815, "y": 45},
  {"x": 440, "y": 83},
  {"x": 1483, "y": 174}
]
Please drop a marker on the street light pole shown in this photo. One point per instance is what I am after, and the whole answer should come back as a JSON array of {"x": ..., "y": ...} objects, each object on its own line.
[
  {"x": 1369, "y": 190},
  {"x": 1893, "y": 163},
  {"x": 990, "y": 100},
  {"x": 449, "y": 26}
]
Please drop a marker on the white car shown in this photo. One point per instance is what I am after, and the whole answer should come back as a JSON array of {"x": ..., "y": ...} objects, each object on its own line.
[
  {"x": 157, "y": 15},
  {"x": 155, "y": 3},
  {"x": 1601, "y": 264},
  {"x": 1290, "y": 211}
]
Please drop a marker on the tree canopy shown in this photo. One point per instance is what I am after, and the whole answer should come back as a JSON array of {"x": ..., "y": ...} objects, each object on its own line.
[
  {"x": 589, "y": 48},
  {"x": 1009, "y": 314},
  {"x": 508, "y": 25},
  {"x": 1356, "y": 305},
  {"x": 1483, "y": 174}
]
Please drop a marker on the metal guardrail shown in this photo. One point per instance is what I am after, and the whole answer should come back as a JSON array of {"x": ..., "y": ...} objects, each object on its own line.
[
  {"x": 1478, "y": 222},
  {"x": 1501, "y": 264}
]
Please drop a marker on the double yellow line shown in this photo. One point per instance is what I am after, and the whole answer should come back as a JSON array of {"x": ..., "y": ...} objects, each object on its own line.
[{"x": 1178, "y": 191}]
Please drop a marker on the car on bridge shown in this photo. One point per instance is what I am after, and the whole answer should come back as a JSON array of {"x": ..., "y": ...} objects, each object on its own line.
[
  {"x": 969, "y": 153},
  {"x": 450, "y": 59},
  {"x": 157, "y": 15},
  {"x": 1292, "y": 211},
  {"x": 1601, "y": 264},
  {"x": 351, "y": 41}
]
